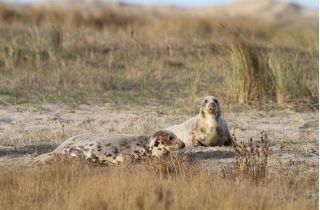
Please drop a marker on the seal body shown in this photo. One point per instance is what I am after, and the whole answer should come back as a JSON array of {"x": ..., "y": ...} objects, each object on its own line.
[
  {"x": 208, "y": 128},
  {"x": 184, "y": 130},
  {"x": 209, "y": 132},
  {"x": 105, "y": 149}
]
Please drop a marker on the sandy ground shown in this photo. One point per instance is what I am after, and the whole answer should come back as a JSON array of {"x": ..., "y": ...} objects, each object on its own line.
[{"x": 26, "y": 132}]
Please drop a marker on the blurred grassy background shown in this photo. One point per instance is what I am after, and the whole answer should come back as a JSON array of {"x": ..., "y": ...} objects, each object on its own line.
[{"x": 51, "y": 55}]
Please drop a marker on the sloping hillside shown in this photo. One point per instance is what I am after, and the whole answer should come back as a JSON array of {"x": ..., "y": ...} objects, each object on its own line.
[
  {"x": 277, "y": 12},
  {"x": 280, "y": 12}
]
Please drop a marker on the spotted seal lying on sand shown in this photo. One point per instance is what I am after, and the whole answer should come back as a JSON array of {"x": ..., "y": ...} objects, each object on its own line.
[{"x": 105, "y": 149}]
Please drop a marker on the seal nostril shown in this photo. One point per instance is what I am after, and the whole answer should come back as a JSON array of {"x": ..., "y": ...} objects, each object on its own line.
[
  {"x": 211, "y": 105},
  {"x": 183, "y": 145}
]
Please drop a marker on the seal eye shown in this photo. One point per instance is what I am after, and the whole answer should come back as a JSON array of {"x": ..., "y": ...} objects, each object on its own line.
[
  {"x": 206, "y": 101},
  {"x": 216, "y": 101},
  {"x": 171, "y": 138}
]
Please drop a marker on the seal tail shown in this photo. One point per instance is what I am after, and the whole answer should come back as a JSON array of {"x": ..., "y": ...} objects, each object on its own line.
[{"x": 44, "y": 158}]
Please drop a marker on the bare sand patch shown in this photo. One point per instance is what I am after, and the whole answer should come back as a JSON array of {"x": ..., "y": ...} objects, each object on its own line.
[{"x": 26, "y": 132}]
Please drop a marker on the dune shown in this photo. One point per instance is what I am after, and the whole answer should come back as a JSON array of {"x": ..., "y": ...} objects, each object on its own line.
[
  {"x": 279, "y": 12},
  {"x": 271, "y": 11}
]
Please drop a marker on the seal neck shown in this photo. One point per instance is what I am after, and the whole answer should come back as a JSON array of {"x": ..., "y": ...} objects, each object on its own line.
[{"x": 214, "y": 117}]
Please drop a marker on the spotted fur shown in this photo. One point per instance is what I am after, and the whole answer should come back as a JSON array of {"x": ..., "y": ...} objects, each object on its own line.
[{"x": 105, "y": 149}]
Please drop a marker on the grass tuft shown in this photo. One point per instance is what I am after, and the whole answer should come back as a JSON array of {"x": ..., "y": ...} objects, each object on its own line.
[
  {"x": 272, "y": 75},
  {"x": 250, "y": 72}
]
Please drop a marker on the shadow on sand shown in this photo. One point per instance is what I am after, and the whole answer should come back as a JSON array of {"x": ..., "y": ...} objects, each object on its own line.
[
  {"x": 28, "y": 149},
  {"x": 205, "y": 155}
]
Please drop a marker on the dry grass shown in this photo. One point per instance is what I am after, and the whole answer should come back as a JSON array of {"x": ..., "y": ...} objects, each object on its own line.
[
  {"x": 273, "y": 75},
  {"x": 253, "y": 80},
  {"x": 50, "y": 55},
  {"x": 158, "y": 184},
  {"x": 177, "y": 183},
  {"x": 251, "y": 159}
]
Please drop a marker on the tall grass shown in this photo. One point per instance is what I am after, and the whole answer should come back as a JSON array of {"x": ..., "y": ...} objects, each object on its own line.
[
  {"x": 272, "y": 75},
  {"x": 252, "y": 78},
  {"x": 291, "y": 80},
  {"x": 155, "y": 185}
]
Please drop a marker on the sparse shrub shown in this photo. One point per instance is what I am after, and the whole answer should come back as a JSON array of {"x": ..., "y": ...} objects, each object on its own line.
[{"x": 251, "y": 160}]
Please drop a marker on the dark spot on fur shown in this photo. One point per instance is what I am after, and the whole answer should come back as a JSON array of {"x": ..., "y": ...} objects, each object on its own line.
[
  {"x": 156, "y": 143},
  {"x": 109, "y": 144},
  {"x": 161, "y": 133},
  {"x": 116, "y": 151},
  {"x": 99, "y": 150},
  {"x": 86, "y": 150},
  {"x": 138, "y": 144},
  {"x": 159, "y": 149},
  {"x": 203, "y": 114},
  {"x": 128, "y": 147},
  {"x": 114, "y": 157},
  {"x": 98, "y": 147},
  {"x": 136, "y": 151},
  {"x": 93, "y": 158},
  {"x": 90, "y": 144},
  {"x": 203, "y": 130},
  {"x": 103, "y": 161},
  {"x": 123, "y": 144},
  {"x": 81, "y": 147},
  {"x": 75, "y": 151},
  {"x": 108, "y": 155}
]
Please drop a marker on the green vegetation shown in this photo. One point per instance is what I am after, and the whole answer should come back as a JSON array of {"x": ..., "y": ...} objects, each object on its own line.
[
  {"x": 274, "y": 74},
  {"x": 66, "y": 56}
]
